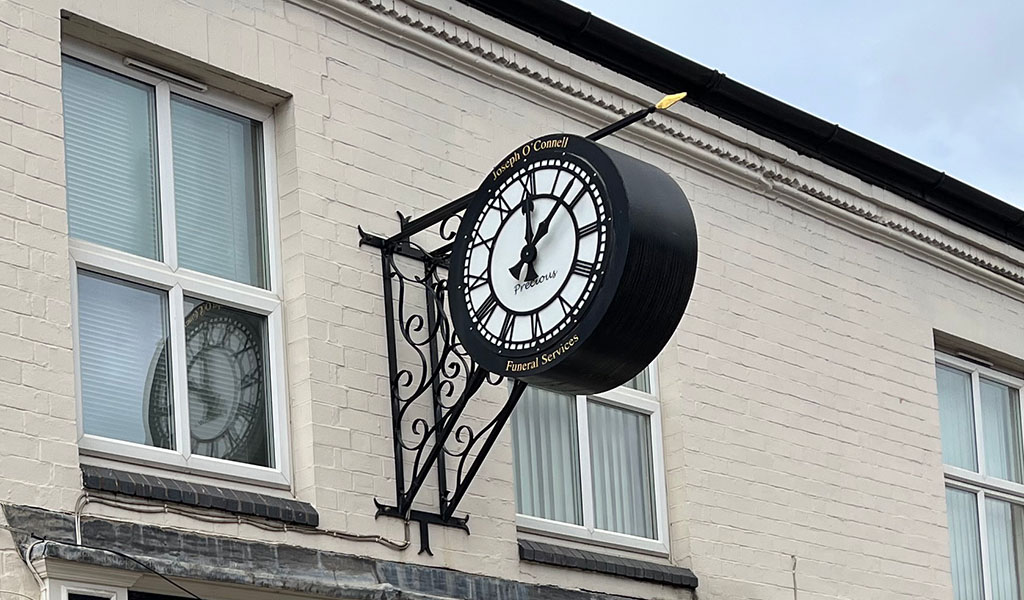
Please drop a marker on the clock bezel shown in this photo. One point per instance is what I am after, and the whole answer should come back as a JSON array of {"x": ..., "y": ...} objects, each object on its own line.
[
  {"x": 601, "y": 171},
  {"x": 584, "y": 172}
]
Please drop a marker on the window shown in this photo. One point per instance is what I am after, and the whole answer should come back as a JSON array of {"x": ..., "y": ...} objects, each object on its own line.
[
  {"x": 178, "y": 315},
  {"x": 56, "y": 589},
  {"x": 980, "y": 415},
  {"x": 591, "y": 467}
]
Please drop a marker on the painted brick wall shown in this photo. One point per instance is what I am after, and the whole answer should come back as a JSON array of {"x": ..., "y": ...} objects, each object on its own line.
[{"x": 801, "y": 427}]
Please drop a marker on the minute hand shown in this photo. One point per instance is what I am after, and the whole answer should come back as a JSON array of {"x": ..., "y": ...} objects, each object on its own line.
[{"x": 542, "y": 229}]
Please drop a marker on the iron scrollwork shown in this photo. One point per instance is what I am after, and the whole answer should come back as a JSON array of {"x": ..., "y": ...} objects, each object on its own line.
[{"x": 432, "y": 377}]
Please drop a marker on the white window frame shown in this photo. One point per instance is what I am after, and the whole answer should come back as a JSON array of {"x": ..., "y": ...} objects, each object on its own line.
[
  {"x": 981, "y": 484},
  {"x": 179, "y": 282},
  {"x": 636, "y": 401},
  {"x": 56, "y": 589}
]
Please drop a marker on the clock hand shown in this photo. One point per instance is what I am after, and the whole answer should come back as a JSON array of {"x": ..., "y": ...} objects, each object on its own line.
[
  {"x": 531, "y": 273},
  {"x": 526, "y": 257},
  {"x": 528, "y": 249},
  {"x": 542, "y": 229},
  {"x": 528, "y": 210},
  {"x": 529, "y": 253}
]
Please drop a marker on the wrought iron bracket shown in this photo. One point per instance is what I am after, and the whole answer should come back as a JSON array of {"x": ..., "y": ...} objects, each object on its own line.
[{"x": 432, "y": 379}]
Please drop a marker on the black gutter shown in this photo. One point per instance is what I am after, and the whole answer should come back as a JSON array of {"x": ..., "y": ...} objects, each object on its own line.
[{"x": 590, "y": 37}]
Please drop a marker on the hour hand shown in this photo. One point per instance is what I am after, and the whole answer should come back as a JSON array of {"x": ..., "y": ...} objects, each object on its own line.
[
  {"x": 517, "y": 270},
  {"x": 528, "y": 210},
  {"x": 526, "y": 257}
]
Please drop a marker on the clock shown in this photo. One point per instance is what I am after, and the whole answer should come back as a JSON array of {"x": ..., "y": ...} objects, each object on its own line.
[
  {"x": 572, "y": 266},
  {"x": 226, "y": 385}
]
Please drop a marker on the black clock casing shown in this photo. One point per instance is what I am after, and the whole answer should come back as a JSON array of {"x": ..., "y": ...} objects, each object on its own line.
[{"x": 640, "y": 286}]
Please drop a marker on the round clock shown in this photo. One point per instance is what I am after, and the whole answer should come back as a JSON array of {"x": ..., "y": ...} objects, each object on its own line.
[
  {"x": 572, "y": 266},
  {"x": 226, "y": 386}
]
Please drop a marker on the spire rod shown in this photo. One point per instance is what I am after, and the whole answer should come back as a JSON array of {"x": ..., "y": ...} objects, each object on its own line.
[{"x": 628, "y": 120}]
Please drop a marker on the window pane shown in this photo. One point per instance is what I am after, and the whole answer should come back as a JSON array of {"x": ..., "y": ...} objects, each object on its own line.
[
  {"x": 547, "y": 462},
  {"x": 122, "y": 337},
  {"x": 1000, "y": 422},
  {"x": 964, "y": 544},
  {"x": 218, "y": 198},
  {"x": 620, "y": 458},
  {"x": 1005, "y": 548},
  {"x": 642, "y": 381},
  {"x": 228, "y": 410},
  {"x": 956, "y": 414},
  {"x": 110, "y": 153}
]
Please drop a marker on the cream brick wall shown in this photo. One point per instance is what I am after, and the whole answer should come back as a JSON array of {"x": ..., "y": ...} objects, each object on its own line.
[{"x": 798, "y": 396}]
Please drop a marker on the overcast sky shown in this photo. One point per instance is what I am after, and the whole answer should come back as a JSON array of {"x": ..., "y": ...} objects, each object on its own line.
[{"x": 941, "y": 81}]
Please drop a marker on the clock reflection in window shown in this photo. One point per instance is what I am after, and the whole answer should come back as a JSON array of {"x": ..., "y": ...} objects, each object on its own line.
[{"x": 227, "y": 384}]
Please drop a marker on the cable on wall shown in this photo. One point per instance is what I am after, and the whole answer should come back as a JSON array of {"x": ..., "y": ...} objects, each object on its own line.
[
  {"x": 39, "y": 540},
  {"x": 151, "y": 508},
  {"x": 44, "y": 541}
]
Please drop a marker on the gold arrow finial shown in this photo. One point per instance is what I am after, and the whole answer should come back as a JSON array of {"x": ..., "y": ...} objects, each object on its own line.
[{"x": 669, "y": 100}]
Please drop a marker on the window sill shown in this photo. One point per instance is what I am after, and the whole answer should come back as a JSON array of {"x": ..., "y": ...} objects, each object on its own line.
[
  {"x": 585, "y": 560},
  {"x": 608, "y": 539},
  {"x": 132, "y": 454},
  {"x": 163, "y": 489}
]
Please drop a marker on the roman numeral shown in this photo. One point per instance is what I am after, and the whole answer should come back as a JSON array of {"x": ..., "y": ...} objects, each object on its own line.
[
  {"x": 577, "y": 199},
  {"x": 554, "y": 184},
  {"x": 566, "y": 307},
  {"x": 474, "y": 281},
  {"x": 479, "y": 240},
  {"x": 589, "y": 229},
  {"x": 584, "y": 268},
  {"x": 245, "y": 348},
  {"x": 535, "y": 325},
  {"x": 506, "y": 327},
  {"x": 531, "y": 183},
  {"x": 503, "y": 206},
  {"x": 251, "y": 378},
  {"x": 487, "y": 309}
]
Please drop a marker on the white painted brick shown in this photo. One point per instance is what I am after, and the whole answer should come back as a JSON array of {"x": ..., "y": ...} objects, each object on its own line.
[{"x": 797, "y": 397}]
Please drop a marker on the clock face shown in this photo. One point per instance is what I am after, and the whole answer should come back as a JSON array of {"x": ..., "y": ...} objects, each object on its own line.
[{"x": 536, "y": 254}]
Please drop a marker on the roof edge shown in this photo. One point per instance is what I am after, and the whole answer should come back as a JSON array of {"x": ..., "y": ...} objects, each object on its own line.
[{"x": 626, "y": 53}]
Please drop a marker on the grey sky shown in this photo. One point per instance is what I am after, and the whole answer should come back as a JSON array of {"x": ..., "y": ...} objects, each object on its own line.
[{"x": 941, "y": 81}]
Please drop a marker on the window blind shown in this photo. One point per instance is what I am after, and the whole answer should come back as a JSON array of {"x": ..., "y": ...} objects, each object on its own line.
[
  {"x": 122, "y": 336},
  {"x": 620, "y": 458},
  {"x": 1004, "y": 524},
  {"x": 1000, "y": 419},
  {"x": 110, "y": 155},
  {"x": 547, "y": 462},
  {"x": 964, "y": 544},
  {"x": 217, "y": 193},
  {"x": 956, "y": 416}
]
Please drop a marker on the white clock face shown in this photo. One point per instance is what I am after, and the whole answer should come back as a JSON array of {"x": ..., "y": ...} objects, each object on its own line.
[{"x": 537, "y": 251}]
